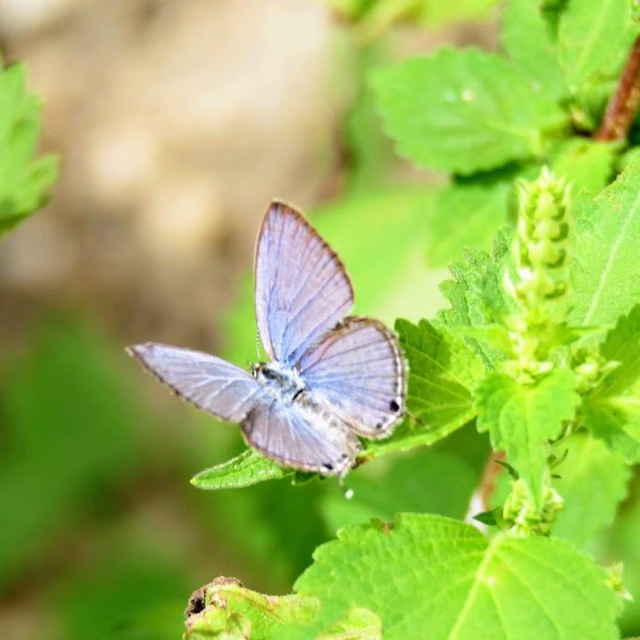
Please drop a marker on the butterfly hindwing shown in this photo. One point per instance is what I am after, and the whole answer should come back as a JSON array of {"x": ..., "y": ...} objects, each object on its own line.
[
  {"x": 302, "y": 290},
  {"x": 359, "y": 370},
  {"x": 300, "y": 439},
  {"x": 210, "y": 383}
]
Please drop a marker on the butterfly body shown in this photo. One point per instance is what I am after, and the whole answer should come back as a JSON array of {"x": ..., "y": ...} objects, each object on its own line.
[
  {"x": 330, "y": 380},
  {"x": 281, "y": 382}
]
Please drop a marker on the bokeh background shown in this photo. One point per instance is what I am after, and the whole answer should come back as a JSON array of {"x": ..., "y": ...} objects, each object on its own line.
[{"x": 176, "y": 122}]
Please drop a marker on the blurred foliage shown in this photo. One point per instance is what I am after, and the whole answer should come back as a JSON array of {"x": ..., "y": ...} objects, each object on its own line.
[
  {"x": 93, "y": 474},
  {"x": 25, "y": 182},
  {"x": 371, "y": 18}
]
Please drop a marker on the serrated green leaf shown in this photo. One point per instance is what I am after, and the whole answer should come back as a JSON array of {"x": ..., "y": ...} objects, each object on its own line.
[
  {"x": 586, "y": 164},
  {"x": 24, "y": 179},
  {"x": 594, "y": 39},
  {"x": 431, "y": 573},
  {"x": 522, "y": 418},
  {"x": 593, "y": 482},
  {"x": 440, "y": 107},
  {"x": 605, "y": 268},
  {"x": 242, "y": 471},
  {"x": 525, "y": 38},
  {"x": 442, "y": 370},
  {"x": 224, "y": 609},
  {"x": 476, "y": 294},
  {"x": 466, "y": 214},
  {"x": 612, "y": 410}
]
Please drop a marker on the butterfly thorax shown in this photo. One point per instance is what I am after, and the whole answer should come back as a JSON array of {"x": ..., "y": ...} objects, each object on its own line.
[{"x": 280, "y": 382}]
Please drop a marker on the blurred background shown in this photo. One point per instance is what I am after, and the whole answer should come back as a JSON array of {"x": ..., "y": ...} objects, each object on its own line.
[{"x": 177, "y": 121}]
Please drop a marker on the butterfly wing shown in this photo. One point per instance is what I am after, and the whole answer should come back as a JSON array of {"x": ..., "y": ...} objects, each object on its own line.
[
  {"x": 300, "y": 439},
  {"x": 302, "y": 289},
  {"x": 359, "y": 370},
  {"x": 210, "y": 383}
]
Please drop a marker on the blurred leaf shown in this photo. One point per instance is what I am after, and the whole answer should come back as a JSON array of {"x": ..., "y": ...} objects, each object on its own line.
[
  {"x": 357, "y": 624},
  {"x": 522, "y": 418},
  {"x": 594, "y": 39},
  {"x": 476, "y": 295},
  {"x": 432, "y": 568},
  {"x": 620, "y": 542},
  {"x": 442, "y": 371},
  {"x": 606, "y": 270},
  {"x": 125, "y": 598},
  {"x": 373, "y": 17},
  {"x": 438, "y": 108},
  {"x": 434, "y": 481},
  {"x": 273, "y": 525},
  {"x": 525, "y": 38},
  {"x": 24, "y": 180},
  {"x": 226, "y": 610},
  {"x": 242, "y": 471},
  {"x": 612, "y": 410},
  {"x": 593, "y": 482},
  {"x": 369, "y": 152},
  {"x": 71, "y": 427},
  {"x": 587, "y": 164},
  {"x": 466, "y": 214}
]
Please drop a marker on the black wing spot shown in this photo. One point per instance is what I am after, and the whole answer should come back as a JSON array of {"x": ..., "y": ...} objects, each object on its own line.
[
  {"x": 379, "y": 426},
  {"x": 394, "y": 406},
  {"x": 327, "y": 467}
]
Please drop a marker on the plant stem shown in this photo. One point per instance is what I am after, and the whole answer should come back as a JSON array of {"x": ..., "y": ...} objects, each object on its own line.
[
  {"x": 480, "y": 499},
  {"x": 623, "y": 105}
]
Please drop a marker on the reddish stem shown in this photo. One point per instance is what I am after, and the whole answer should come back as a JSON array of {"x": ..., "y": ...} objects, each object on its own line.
[
  {"x": 482, "y": 495},
  {"x": 623, "y": 105}
]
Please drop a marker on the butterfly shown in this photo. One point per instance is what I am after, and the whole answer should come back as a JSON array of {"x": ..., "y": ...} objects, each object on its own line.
[{"x": 331, "y": 378}]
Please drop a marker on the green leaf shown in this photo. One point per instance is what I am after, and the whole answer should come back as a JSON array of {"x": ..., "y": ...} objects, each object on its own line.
[
  {"x": 525, "y": 38},
  {"x": 606, "y": 270},
  {"x": 466, "y": 214},
  {"x": 612, "y": 410},
  {"x": 428, "y": 570},
  {"x": 522, "y": 418},
  {"x": 225, "y": 609},
  {"x": 358, "y": 624},
  {"x": 242, "y": 471},
  {"x": 442, "y": 372},
  {"x": 593, "y": 482},
  {"x": 476, "y": 294},
  {"x": 24, "y": 180},
  {"x": 594, "y": 39},
  {"x": 587, "y": 164},
  {"x": 373, "y": 17},
  {"x": 438, "y": 108}
]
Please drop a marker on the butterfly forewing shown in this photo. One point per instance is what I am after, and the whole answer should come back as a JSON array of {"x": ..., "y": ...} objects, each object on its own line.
[
  {"x": 300, "y": 439},
  {"x": 210, "y": 383},
  {"x": 302, "y": 289},
  {"x": 359, "y": 370}
]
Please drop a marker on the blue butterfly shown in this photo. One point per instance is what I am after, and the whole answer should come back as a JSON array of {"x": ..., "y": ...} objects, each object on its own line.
[{"x": 331, "y": 378}]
